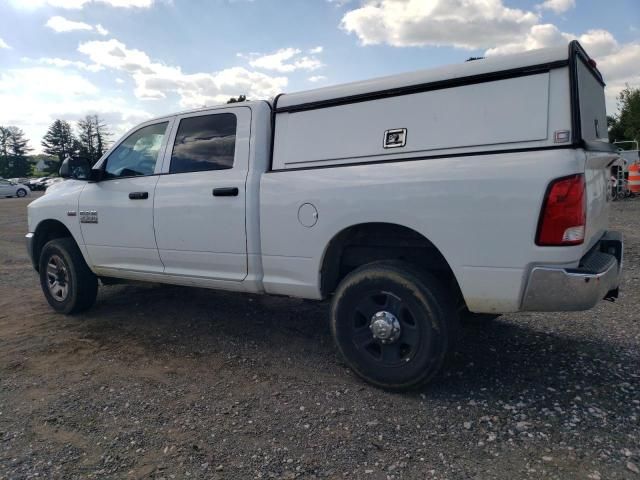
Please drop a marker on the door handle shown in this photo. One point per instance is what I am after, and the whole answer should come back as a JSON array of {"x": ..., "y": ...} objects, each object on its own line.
[
  {"x": 225, "y": 192},
  {"x": 139, "y": 195}
]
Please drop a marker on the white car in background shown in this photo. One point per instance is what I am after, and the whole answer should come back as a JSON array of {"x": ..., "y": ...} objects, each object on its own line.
[{"x": 12, "y": 189}]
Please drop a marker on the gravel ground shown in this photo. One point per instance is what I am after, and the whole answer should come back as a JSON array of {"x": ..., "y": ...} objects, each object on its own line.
[{"x": 170, "y": 382}]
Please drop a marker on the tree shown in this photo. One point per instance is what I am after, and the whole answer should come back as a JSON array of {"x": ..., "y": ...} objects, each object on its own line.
[
  {"x": 59, "y": 140},
  {"x": 4, "y": 150},
  {"x": 93, "y": 138},
  {"x": 626, "y": 124},
  {"x": 13, "y": 152}
]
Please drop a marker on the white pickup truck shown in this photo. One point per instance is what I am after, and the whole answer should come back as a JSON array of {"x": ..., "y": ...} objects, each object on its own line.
[{"x": 409, "y": 201}]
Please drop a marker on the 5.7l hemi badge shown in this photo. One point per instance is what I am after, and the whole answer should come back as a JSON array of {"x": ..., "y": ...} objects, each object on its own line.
[
  {"x": 395, "y": 138},
  {"x": 88, "y": 216}
]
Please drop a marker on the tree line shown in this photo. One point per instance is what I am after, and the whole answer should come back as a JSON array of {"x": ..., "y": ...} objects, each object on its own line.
[{"x": 90, "y": 140}]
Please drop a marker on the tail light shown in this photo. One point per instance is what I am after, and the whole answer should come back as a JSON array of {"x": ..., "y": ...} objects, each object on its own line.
[{"x": 564, "y": 213}]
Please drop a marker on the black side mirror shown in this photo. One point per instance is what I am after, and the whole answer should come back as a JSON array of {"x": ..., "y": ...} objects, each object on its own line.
[
  {"x": 96, "y": 175},
  {"x": 78, "y": 168}
]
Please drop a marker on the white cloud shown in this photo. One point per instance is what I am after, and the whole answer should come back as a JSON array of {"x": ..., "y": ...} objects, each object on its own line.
[
  {"x": 316, "y": 50},
  {"x": 317, "y": 78},
  {"x": 64, "y": 63},
  {"x": 78, "y": 4},
  {"x": 101, "y": 30},
  {"x": 557, "y": 6},
  {"x": 466, "y": 24},
  {"x": 287, "y": 60},
  {"x": 41, "y": 80},
  {"x": 33, "y": 97},
  {"x": 154, "y": 80},
  {"x": 3, "y": 44},
  {"x": 60, "y": 24}
]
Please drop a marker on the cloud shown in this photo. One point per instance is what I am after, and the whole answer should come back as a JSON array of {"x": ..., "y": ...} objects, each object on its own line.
[
  {"x": 78, "y": 4},
  {"x": 286, "y": 60},
  {"x": 61, "y": 25},
  {"x": 317, "y": 78},
  {"x": 468, "y": 24},
  {"x": 64, "y": 63},
  {"x": 3, "y": 44},
  {"x": 557, "y": 6},
  {"x": 33, "y": 97},
  {"x": 154, "y": 80},
  {"x": 101, "y": 30},
  {"x": 40, "y": 80}
]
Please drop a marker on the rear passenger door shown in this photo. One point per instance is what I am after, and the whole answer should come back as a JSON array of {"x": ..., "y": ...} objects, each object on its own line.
[{"x": 199, "y": 213}]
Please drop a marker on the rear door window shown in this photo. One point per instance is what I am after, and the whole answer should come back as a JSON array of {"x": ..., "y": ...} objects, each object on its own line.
[{"x": 203, "y": 143}]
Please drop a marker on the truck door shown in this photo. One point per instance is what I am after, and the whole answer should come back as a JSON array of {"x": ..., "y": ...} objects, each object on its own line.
[
  {"x": 116, "y": 214},
  {"x": 199, "y": 214}
]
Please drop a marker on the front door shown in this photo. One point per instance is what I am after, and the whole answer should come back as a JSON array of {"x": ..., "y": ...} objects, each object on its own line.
[
  {"x": 116, "y": 214},
  {"x": 199, "y": 215}
]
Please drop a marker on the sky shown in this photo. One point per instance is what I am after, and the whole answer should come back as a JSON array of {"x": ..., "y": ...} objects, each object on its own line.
[{"x": 131, "y": 60}]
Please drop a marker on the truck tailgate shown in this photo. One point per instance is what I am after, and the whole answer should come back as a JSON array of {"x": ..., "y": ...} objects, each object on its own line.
[{"x": 598, "y": 198}]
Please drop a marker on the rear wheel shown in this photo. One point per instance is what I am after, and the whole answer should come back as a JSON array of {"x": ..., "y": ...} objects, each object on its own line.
[
  {"x": 67, "y": 282},
  {"x": 21, "y": 192},
  {"x": 393, "y": 324}
]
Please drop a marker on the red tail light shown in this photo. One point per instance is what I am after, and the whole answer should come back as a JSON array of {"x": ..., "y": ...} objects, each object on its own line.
[{"x": 564, "y": 213}]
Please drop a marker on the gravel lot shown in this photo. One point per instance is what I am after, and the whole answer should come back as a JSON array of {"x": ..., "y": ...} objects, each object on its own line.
[{"x": 170, "y": 382}]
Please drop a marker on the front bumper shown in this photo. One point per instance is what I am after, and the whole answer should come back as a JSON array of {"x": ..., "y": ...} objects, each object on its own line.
[
  {"x": 597, "y": 277},
  {"x": 29, "y": 240}
]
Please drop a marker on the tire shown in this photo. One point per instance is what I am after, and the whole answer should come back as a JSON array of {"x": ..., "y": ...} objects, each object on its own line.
[
  {"x": 66, "y": 280},
  {"x": 425, "y": 317},
  {"x": 21, "y": 193}
]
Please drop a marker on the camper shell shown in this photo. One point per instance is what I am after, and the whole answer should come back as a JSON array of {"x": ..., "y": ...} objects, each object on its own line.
[{"x": 550, "y": 98}]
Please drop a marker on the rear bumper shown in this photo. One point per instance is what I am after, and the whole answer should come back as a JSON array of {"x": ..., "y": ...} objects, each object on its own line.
[{"x": 552, "y": 289}]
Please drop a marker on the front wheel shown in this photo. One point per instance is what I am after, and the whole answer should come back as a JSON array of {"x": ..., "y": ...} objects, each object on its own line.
[
  {"x": 21, "y": 193},
  {"x": 393, "y": 324},
  {"x": 66, "y": 280}
]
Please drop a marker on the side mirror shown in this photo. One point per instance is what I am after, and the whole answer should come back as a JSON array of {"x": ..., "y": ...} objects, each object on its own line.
[
  {"x": 96, "y": 175},
  {"x": 78, "y": 168}
]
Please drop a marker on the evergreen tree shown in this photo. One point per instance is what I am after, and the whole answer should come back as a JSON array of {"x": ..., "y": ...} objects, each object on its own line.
[
  {"x": 4, "y": 151},
  {"x": 59, "y": 140},
  {"x": 14, "y": 148},
  {"x": 93, "y": 138}
]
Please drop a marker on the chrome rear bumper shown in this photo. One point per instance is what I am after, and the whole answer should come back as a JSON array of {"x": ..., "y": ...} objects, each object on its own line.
[{"x": 597, "y": 277}]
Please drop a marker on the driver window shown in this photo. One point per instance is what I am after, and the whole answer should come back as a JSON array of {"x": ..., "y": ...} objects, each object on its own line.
[{"x": 137, "y": 155}]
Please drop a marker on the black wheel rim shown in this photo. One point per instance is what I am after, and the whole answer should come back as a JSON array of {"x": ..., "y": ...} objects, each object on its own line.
[{"x": 394, "y": 353}]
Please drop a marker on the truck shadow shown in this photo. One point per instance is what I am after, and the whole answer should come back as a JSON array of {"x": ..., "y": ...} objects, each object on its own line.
[{"x": 511, "y": 357}]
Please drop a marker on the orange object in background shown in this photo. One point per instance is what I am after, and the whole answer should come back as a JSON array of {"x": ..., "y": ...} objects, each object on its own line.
[{"x": 634, "y": 178}]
